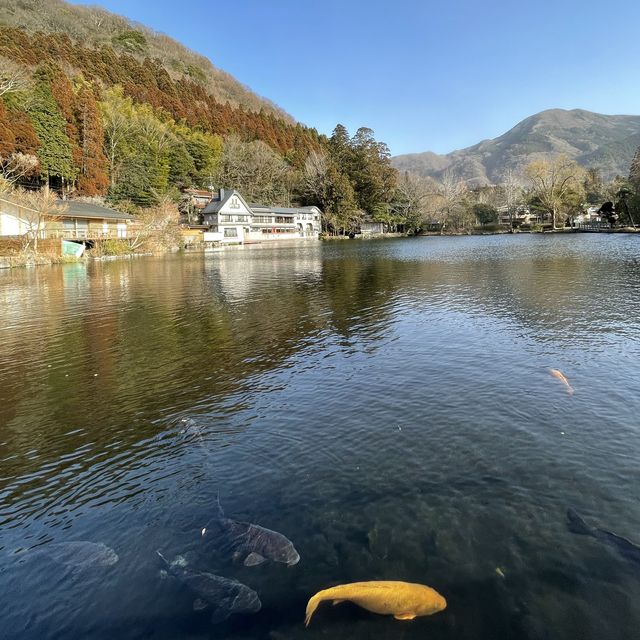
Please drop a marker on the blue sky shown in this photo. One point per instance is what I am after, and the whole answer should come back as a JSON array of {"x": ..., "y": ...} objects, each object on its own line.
[{"x": 425, "y": 75}]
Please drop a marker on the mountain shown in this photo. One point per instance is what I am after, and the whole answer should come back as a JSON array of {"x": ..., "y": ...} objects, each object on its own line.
[
  {"x": 591, "y": 139},
  {"x": 94, "y": 27}
]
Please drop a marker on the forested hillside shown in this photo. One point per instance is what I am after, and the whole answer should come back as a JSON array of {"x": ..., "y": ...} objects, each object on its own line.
[
  {"x": 95, "y": 27},
  {"x": 95, "y": 106}
]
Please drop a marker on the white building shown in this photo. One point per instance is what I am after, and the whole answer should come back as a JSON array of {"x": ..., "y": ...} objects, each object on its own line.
[{"x": 231, "y": 220}]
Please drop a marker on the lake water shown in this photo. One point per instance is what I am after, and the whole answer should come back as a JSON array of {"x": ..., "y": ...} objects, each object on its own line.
[{"x": 386, "y": 405}]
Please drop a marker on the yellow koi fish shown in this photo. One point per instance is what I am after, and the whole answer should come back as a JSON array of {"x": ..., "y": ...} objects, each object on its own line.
[
  {"x": 402, "y": 600},
  {"x": 558, "y": 374}
]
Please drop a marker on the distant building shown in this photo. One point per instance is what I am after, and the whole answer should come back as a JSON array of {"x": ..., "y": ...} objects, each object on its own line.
[
  {"x": 193, "y": 203},
  {"x": 368, "y": 229},
  {"x": 79, "y": 221},
  {"x": 230, "y": 219}
]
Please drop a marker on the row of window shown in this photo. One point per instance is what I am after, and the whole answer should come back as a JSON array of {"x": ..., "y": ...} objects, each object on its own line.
[
  {"x": 265, "y": 219},
  {"x": 232, "y": 232}
]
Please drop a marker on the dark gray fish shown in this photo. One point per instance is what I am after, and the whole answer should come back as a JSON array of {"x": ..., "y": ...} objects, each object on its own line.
[
  {"x": 627, "y": 549},
  {"x": 223, "y": 595},
  {"x": 252, "y": 543},
  {"x": 77, "y": 555}
]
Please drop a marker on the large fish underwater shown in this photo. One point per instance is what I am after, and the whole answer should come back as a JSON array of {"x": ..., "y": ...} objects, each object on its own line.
[
  {"x": 624, "y": 547},
  {"x": 402, "y": 600},
  {"x": 76, "y": 556},
  {"x": 225, "y": 596},
  {"x": 251, "y": 543}
]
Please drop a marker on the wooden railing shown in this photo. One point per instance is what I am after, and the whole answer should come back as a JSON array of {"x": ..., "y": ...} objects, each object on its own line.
[{"x": 85, "y": 234}]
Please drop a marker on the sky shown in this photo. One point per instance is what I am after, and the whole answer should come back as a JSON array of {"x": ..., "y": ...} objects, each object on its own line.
[{"x": 424, "y": 75}]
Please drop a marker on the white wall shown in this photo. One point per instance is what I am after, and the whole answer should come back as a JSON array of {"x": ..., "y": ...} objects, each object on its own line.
[{"x": 11, "y": 225}]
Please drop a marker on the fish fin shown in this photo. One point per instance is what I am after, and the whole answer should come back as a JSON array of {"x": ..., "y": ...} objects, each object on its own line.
[
  {"x": 335, "y": 602},
  {"x": 404, "y": 616},
  {"x": 199, "y": 604},
  {"x": 578, "y": 525},
  {"x": 253, "y": 559}
]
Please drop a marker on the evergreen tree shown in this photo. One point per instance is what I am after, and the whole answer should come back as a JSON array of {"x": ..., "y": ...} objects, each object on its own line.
[
  {"x": 92, "y": 178},
  {"x": 54, "y": 153},
  {"x": 634, "y": 171}
]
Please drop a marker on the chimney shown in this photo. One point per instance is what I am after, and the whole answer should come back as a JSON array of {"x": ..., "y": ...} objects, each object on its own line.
[{"x": 221, "y": 194}]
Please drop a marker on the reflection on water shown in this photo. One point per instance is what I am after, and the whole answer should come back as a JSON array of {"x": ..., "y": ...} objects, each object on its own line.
[{"x": 385, "y": 405}]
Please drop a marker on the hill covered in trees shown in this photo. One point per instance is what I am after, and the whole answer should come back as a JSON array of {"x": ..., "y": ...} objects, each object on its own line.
[
  {"x": 96, "y": 106},
  {"x": 95, "y": 27},
  {"x": 604, "y": 142}
]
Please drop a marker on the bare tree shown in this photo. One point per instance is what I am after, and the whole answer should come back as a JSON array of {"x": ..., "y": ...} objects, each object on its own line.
[
  {"x": 512, "y": 194},
  {"x": 556, "y": 183},
  {"x": 13, "y": 77},
  {"x": 17, "y": 165},
  {"x": 158, "y": 227},
  {"x": 314, "y": 176},
  {"x": 451, "y": 195},
  {"x": 36, "y": 210},
  {"x": 256, "y": 170},
  {"x": 413, "y": 196}
]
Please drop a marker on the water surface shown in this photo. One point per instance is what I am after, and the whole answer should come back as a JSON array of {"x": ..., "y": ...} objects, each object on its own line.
[{"x": 386, "y": 405}]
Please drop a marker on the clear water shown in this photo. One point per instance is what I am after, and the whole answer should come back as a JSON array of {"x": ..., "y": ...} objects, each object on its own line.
[{"x": 385, "y": 405}]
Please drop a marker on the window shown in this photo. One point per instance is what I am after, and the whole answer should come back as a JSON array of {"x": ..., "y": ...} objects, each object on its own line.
[
  {"x": 234, "y": 204},
  {"x": 241, "y": 218},
  {"x": 231, "y": 232}
]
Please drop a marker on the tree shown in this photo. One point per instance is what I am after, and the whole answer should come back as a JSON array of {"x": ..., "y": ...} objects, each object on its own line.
[
  {"x": 450, "y": 209},
  {"x": 255, "y": 170},
  {"x": 593, "y": 186},
  {"x": 13, "y": 76},
  {"x": 15, "y": 166},
  {"x": 410, "y": 203},
  {"x": 92, "y": 177},
  {"x": 37, "y": 209},
  {"x": 54, "y": 153},
  {"x": 634, "y": 171},
  {"x": 557, "y": 183},
  {"x": 157, "y": 226},
  {"x": 512, "y": 194},
  {"x": 485, "y": 213}
]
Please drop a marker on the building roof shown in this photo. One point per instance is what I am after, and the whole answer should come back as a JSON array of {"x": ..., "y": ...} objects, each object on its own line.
[
  {"x": 77, "y": 209},
  {"x": 218, "y": 202}
]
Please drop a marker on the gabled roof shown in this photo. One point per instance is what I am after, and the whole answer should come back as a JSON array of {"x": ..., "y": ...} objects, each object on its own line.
[
  {"x": 216, "y": 203},
  {"x": 77, "y": 209}
]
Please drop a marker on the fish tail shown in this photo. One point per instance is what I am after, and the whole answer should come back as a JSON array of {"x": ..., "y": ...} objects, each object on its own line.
[
  {"x": 577, "y": 524},
  {"x": 312, "y": 605}
]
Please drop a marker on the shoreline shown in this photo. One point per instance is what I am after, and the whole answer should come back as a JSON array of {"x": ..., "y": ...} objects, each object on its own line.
[{"x": 42, "y": 260}]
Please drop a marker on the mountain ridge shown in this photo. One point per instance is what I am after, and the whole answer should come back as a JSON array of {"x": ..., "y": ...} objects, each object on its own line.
[{"x": 607, "y": 142}]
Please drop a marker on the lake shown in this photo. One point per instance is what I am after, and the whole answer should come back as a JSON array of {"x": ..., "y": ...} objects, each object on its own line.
[{"x": 386, "y": 405}]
